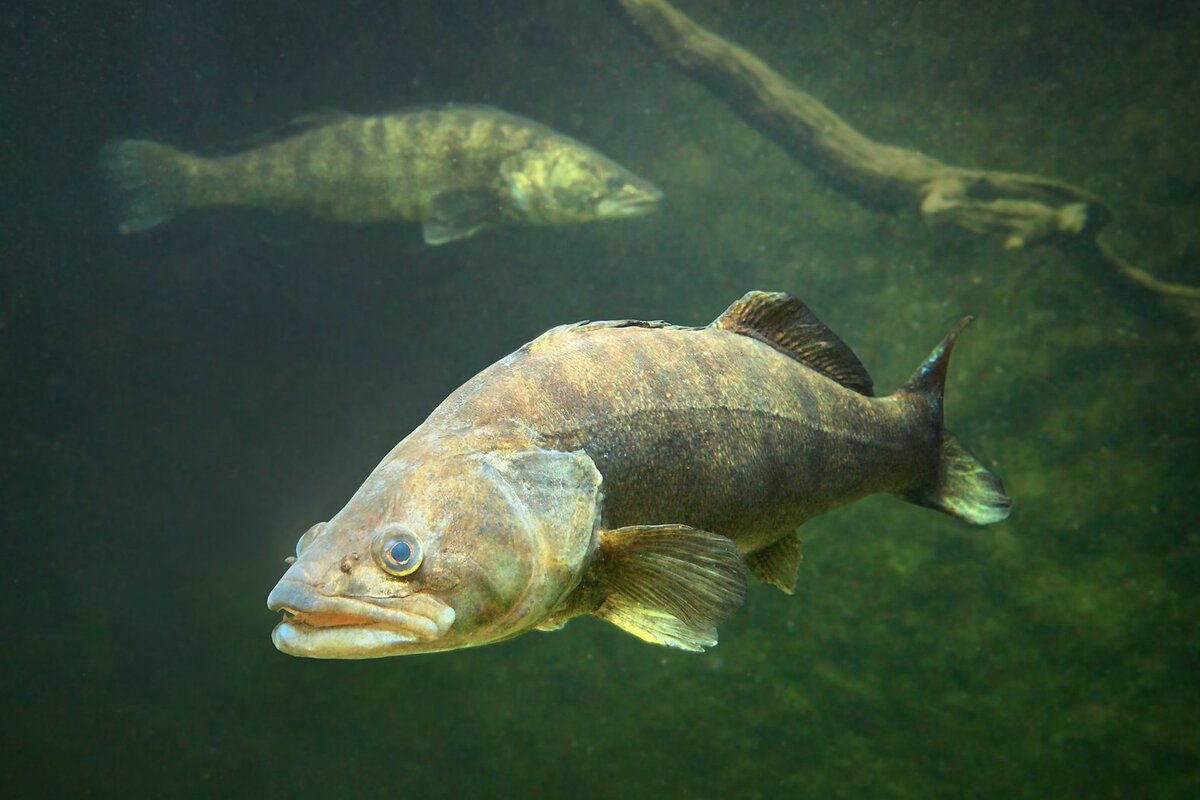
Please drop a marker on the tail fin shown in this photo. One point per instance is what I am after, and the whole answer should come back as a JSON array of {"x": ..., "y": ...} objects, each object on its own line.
[
  {"x": 962, "y": 487},
  {"x": 147, "y": 179}
]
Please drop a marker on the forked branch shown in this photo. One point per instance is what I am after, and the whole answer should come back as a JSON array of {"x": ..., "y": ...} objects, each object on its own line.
[{"x": 1017, "y": 209}]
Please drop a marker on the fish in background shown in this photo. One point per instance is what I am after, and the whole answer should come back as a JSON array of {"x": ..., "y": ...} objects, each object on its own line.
[
  {"x": 456, "y": 170},
  {"x": 629, "y": 470}
]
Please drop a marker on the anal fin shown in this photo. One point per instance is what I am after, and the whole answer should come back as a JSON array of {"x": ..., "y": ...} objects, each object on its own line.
[
  {"x": 777, "y": 564},
  {"x": 669, "y": 584}
]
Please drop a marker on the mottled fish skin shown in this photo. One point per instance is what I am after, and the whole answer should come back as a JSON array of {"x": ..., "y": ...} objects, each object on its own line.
[
  {"x": 702, "y": 426},
  {"x": 630, "y": 470},
  {"x": 461, "y": 169},
  {"x": 363, "y": 169},
  {"x": 367, "y": 169}
]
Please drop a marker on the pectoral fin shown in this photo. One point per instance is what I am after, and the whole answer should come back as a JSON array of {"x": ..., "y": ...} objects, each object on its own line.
[
  {"x": 669, "y": 584},
  {"x": 458, "y": 214},
  {"x": 778, "y": 563}
]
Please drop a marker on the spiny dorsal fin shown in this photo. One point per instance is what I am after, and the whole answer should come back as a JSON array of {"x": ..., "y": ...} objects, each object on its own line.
[
  {"x": 669, "y": 584},
  {"x": 587, "y": 326},
  {"x": 778, "y": 563},
  {"x": 608, "y": 324},
  {"x": 788, "y": 325}
]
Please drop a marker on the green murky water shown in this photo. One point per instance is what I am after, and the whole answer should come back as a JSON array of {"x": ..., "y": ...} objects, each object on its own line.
[{"x": 179, "y": 406}]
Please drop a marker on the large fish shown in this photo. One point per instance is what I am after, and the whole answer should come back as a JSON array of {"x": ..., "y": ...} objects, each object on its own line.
[
  {"x": 456, "y": 170},
  {"x": 630, "y": 470}
]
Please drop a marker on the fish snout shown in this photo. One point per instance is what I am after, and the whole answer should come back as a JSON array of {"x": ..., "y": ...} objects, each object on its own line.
[
  {"x": 636, "y": 197},
  {"x": 287, "y": 593},
  {"x": 302, "y": 570}
]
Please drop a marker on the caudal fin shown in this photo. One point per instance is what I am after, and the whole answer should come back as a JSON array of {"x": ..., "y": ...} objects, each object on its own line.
[
  {"x": 147, "y": 180},
  {"x": 962, "y": 487}
]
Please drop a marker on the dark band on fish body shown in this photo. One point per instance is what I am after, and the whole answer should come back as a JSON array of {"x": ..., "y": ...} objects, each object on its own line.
[
  {"x": 378, "y": 135},
  {"x": 363, "y": 169}
]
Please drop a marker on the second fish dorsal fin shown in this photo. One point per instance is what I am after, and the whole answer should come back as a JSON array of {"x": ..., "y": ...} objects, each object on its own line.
[
  {"x": 785, "y": 323},
  {"x": 315, "y": 119}
]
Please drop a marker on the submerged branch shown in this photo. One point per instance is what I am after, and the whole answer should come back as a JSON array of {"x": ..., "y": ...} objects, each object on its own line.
[{"x": 1018, "y": 209}]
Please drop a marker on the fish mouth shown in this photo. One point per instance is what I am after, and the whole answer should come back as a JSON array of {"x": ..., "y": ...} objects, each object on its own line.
[
  {"x": 631, "y": 204},
  {"x": 316, "y": 625}
]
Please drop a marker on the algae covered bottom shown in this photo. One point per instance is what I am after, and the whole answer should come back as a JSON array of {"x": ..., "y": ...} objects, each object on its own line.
[{"x": 179, "y": 404}]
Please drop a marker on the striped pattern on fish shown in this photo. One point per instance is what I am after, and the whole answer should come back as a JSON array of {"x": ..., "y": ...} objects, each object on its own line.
[{"x": 457, "y": 170}]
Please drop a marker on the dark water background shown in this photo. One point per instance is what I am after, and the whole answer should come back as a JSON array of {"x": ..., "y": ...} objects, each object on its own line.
[{"x": 179, "y": 406}]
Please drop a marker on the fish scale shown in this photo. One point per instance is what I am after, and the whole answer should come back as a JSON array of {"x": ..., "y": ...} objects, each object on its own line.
[{"x": 763, "y": 414}]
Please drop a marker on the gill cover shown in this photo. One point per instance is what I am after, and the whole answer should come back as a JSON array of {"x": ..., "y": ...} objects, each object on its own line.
[{"x": 555, "y": 499}]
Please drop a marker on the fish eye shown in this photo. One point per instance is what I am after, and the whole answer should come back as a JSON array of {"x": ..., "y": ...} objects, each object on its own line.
[
  {"x": 398, "y": 551},
  {"x": 615, "y": 182},
  {"x": 308, "y": 536}
]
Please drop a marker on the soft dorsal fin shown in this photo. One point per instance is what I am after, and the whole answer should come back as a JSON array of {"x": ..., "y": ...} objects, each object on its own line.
[
  {"x": 788, "y": 325},
  {"x": 295, "y": 126},
  {"x": 315, "y": 119}
]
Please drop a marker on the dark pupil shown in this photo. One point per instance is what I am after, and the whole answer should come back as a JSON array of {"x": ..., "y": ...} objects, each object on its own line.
[
  {"x": 401, "y": 552},
  {"x": 615, "y": 182}
]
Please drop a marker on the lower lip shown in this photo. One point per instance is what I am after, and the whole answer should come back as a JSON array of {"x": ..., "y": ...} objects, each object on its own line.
[{"x": 343, "y": 641}]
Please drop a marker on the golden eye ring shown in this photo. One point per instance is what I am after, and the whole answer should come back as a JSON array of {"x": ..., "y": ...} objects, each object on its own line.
[{"x": 398, "y": 551}]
